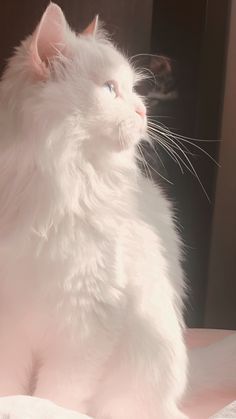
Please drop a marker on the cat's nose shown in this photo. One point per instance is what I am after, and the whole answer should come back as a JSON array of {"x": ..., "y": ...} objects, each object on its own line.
[{"x": 141, "y": 110}]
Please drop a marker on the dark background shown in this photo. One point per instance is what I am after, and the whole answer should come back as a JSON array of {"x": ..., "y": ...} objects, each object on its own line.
[{"x": 194, "y": 35}]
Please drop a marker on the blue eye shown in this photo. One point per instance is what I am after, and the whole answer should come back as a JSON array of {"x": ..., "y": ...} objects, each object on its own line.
[{"x": 112, "y": 87}]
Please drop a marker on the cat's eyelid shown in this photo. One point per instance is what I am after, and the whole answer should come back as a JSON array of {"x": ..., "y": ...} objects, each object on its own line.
[{"x": 116, "y": 86}]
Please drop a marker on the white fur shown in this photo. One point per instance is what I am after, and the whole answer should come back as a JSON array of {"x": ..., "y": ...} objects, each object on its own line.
[{"x": 91, "y": 282}]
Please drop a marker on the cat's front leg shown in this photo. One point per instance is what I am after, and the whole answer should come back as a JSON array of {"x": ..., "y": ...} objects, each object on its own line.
[
  {"x": 65, "y": 383},
  {"x": 146, "y": 377},
  {"x": 70, "y": 376}
]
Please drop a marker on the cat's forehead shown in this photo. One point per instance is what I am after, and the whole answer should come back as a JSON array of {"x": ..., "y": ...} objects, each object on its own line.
[{"x": 105, "y": 62}]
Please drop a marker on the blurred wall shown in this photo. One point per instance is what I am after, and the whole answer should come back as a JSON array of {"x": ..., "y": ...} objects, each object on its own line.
[{"x": 221, "y": 297}]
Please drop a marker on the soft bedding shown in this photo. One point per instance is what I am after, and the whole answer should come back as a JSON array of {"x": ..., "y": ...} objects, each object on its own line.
[{"x": 212, "y": 372}]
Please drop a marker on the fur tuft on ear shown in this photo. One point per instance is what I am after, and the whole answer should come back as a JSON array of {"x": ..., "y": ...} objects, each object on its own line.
[
  {"x": 92, "y": 27},
  {"x": 48, "y": 39}
]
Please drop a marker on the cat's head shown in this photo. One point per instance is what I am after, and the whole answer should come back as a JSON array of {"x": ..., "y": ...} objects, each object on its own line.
[{"x": 63, "y": 85}]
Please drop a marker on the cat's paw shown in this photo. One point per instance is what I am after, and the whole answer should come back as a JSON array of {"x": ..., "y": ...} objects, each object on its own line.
[{"x": 25, "y": 407}]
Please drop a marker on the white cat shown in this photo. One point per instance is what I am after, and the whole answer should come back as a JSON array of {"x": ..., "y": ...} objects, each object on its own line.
[{"x": 91, "y": 284}]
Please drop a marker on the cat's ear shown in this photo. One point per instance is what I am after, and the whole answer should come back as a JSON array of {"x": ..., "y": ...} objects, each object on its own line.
[
  {"x": 48, "y": 39},
  {"x": 92, "y": 27}
]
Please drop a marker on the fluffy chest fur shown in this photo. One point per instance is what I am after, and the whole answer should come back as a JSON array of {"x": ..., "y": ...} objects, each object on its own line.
[{"x": 79, "y": 264}]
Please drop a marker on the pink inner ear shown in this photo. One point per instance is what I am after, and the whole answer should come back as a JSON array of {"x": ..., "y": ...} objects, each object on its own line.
[
  {"x": 92, "y": 27},
  {"x": 48, "y": 38}
]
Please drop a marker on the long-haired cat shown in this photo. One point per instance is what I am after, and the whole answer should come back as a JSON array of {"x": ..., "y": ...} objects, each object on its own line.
[{"x": 91, "y": 284}]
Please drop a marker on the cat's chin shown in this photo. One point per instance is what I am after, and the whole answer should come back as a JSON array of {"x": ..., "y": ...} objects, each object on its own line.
[
  {"x": 130, "y": 141},
  {"x": 127, "y": 143}
]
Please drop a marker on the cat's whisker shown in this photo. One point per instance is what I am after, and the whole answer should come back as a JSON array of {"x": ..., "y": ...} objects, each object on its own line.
[
  {"x": 154, "y": 170},
  {"x": 167, "y": 133},
  {"x": 147, "y": 55},
  {"x": 158, "y": 173},
  {"x": 169, "y": 146},
  {"x": 173, "y": 144},
  {"x": 162, "y": 117},
  {"x": 153, "y": 120},
  {"x": 191, "y": 168},
  {"x": 146, "y": 167},
  {"x": 176, "y": 137},
  {"x": 166, "y": 142},
  {"x": 173, "y": 155},
  {"x": 174, "y": 148},
  {"x": 157, "y": 154}
]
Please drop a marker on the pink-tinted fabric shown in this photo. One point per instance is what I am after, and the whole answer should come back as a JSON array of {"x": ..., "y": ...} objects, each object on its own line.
[{"x": 208, "y": 403}]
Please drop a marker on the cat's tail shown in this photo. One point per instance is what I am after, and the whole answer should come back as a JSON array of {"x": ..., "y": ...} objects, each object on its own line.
[{"x": 213, "y": 367}]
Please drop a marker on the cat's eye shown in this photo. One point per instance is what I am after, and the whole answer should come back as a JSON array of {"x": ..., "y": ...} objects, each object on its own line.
[{"x": 111, "y": 86}]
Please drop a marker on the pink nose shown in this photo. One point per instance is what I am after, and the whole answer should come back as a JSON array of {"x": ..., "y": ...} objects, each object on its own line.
[{"x": 141, "y": 110}]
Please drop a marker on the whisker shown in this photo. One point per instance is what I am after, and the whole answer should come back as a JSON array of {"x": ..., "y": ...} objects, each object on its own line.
[
  {"x": 157, "y": 154},
  {"x": 159, "y": 174},
  {"x": 146, "y": 168},
  {"x": 170, "y": 148},
  {"x": 162, "y": 126},
  {"x": 168, "y": 135},
  {"x": 173, "y": 144},
  {"x": 173, "y": 154},
  {"x": 173, "y": 136},
  {"x": 147, "y": 55}
]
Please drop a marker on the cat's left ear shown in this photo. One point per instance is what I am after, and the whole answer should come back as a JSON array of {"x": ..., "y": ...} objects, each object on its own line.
[
  {"x": 92, "y": 27},
  {"x": 48, "y": 39}
]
